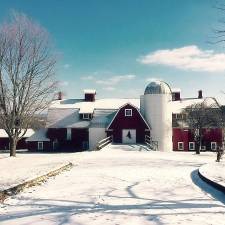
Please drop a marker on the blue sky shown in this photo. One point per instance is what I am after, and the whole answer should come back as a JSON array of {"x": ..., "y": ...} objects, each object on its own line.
[{"x": 118, "y": 46}]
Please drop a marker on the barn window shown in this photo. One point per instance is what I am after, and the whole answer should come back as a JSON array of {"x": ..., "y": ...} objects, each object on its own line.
[
  {"x": 213, "y": 146},
  {"x": 191, "y": 146},
  {"x": 40, "y": 145},
  {"x": 128, "y": 112},
  {"x": 180, "y": 145}
]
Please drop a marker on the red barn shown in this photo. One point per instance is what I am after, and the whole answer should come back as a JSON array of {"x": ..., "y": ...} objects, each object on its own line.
[
  {"x": 128, "y": 126},
  {"x": 79, "y": 124}
]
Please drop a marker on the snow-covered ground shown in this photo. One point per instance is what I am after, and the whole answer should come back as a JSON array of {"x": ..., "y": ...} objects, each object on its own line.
[
  {"x": 26, "y": 166},
  {"x": 121, "y": 185}
]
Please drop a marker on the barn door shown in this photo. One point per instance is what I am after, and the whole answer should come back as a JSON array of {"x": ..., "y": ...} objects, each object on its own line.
[{"x": 129, "y": 136}]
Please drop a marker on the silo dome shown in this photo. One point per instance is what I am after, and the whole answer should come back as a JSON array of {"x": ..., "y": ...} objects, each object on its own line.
[{"x": 157, "y": 87}]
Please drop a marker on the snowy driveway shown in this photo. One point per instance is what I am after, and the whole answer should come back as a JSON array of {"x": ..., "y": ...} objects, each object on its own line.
[{"x": 121, "y": 185}]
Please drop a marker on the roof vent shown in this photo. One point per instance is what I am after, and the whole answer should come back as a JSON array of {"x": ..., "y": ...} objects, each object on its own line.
[{"x": 176, "y": 94}]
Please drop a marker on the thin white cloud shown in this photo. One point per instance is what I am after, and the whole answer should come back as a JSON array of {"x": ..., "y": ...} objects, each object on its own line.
[
  {"x": 151, "y": 79},
  {"x": 109, "y": 88},
  {"x": 62, "y": 83},
  {"x": 115, "y": 79},
  {"x": 66, "y": 66},
  {"x": 187, "y": 58},
  {"x": 87, "y": 77}
]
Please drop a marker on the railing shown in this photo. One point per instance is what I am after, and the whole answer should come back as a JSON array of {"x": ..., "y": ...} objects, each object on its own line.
[
  {"x": 152, "y": 145},
  {"x": 104, "y": 142}
]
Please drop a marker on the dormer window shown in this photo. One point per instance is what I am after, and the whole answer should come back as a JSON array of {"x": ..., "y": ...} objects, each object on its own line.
[
  {"x": 128, "y": 112},
  {"x": 86, "y": 116}
]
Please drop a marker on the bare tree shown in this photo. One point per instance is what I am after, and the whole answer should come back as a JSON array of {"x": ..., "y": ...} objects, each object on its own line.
[
  {"x": 26, "y": 75},
  {"x": 200, "y": 116}
]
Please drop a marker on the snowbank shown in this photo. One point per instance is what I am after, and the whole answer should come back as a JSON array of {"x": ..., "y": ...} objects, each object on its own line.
[{"x": 214, "y": 173}]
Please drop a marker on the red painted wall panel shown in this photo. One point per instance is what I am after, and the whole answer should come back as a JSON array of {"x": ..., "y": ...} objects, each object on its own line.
[
  {"x": 4, "y": 144},
  {"x": 186, "y": 136},
  {"x": 128, "y": 122}
]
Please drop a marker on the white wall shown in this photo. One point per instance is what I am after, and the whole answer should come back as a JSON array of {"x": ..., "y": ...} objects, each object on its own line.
[
  {"x": 95, "y": 135},
  {"x": 158, "y": 115}
]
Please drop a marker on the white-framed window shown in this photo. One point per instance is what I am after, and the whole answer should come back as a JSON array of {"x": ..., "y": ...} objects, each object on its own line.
[
  {"x": 191, "y": 145},
  {"x": 128, "y": 112},
  {"x": 85, "y": 116},
  {"x": 68, "y": 134},
  {"x": 203, "y": 147},
  {"x": 180, "y": 145},
  {"x": 40, "y": 145},
  {"x": 213, "y": 146}
]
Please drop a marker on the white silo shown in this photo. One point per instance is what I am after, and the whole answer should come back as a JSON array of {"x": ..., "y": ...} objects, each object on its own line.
[{"x": 156, "y": 109}]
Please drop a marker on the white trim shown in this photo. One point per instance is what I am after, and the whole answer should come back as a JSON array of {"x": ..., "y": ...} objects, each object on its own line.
[
  {"x": 215, "y": 144},
  {"x": 189, "y": 145},
  {"x": 120, "y": 109},
  {"x": 128, "y": 112},
  {"x": 40, "y": 145},
  {"x": 178, "y": 146}
]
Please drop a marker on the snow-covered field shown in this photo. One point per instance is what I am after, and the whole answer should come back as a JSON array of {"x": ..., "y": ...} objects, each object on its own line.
[
  {"x": 27, "y": 166},
  {"x": 121, "y": 185}
]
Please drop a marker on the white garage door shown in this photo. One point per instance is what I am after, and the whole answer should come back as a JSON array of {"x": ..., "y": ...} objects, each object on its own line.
[{"x": 129, "y": 136}]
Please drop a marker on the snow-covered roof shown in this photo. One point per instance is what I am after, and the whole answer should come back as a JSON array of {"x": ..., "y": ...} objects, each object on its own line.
[
  {"x": 89, "y": 91},
  {"x": 102, "y": 118},
  {"x": 65, "y": 113},
  {"x": 29, "y": 132},
  {"x": 62, "y": 117},
  {"x": 81, "y": 124},
  {"x": 178, "y": 106},
  {"x": 107, "y": 103},
  {"x": 39, "y": 135},
  {"x": 175, "y": 89}
]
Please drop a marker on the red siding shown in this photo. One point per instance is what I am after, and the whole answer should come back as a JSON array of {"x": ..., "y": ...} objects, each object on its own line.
[
  {"x": 78, "y": 138},
  {"x": 33, "y": 146},
  {"x": 185, "y": 136},
  {"x": 126, "y": 122},
  {"x": 4, "y": 144},
  {"x": 57, "y": 133}
]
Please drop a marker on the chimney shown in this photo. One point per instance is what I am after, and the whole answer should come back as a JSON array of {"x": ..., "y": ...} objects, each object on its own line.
[
  {"x": 59, "y": 95},
  {"x": 176, "y": 94},
  {"x": 200, "y": 94},
  {"x": 89, "y": 95}
]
